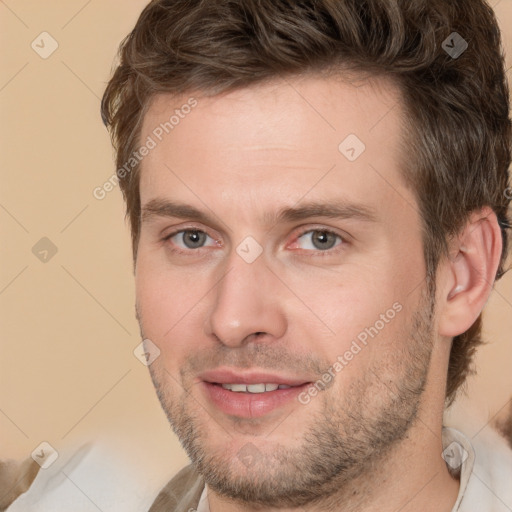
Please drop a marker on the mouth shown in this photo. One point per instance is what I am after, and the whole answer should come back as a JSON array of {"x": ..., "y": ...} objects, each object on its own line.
[{"x": 250, "y": 394}]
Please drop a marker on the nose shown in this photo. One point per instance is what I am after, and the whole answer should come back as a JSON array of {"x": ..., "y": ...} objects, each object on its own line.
[{"x": 248, "y": 301}]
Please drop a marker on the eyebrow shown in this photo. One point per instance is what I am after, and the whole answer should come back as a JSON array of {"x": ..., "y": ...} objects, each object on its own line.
[{"x": 339, "y": 209}]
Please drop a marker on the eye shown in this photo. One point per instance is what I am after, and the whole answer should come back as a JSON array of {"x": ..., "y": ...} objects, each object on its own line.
[
  {"x": 319, "y": 239},
  {"x": 189, "y": 238}
]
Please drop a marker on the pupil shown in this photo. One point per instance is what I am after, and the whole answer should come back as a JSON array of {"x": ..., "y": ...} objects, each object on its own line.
[
  {"x": 194, "y": 239},
  {"x": 323, "y": 240}
]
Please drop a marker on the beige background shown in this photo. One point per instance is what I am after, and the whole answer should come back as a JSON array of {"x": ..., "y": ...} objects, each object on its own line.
[{"x": 67, "y": 369}]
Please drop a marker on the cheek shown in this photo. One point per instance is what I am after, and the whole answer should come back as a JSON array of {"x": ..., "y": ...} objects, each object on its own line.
[
  {"x": 168, "y": 304},
  {"x": 354, "y": 311}
]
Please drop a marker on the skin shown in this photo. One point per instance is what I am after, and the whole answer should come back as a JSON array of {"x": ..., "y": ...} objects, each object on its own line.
[{"x": 240, "y": 157}]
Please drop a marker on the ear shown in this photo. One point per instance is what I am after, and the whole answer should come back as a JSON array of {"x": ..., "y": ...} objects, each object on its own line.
[{"x": 466, "y": 277}]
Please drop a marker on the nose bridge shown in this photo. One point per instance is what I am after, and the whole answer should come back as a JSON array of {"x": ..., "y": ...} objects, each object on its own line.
[{"x": 246, "y": 302}]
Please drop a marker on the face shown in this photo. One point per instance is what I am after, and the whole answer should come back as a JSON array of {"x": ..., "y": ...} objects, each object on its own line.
[{"x": 280, "y": 273}]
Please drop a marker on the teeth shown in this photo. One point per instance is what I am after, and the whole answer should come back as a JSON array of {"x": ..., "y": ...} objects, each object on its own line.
[
  {"x": 236, "y": 387},
  {"x": 254, "y": 388}
]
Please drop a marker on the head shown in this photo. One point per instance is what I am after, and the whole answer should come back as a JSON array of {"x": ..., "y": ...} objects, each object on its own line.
[{"x": 323, "y": 197}]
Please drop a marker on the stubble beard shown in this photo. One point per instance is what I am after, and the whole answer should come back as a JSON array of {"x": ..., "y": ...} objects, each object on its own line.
[{"x": 348, "y": 437}]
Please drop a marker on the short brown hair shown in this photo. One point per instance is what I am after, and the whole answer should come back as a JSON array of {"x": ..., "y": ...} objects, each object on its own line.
[{"x": 457, "y": 105}]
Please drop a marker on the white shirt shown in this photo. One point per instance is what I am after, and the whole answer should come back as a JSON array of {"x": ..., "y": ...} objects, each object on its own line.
[
  {"x": 486, "y": 475},
  {"x": 485, "y": 472}
]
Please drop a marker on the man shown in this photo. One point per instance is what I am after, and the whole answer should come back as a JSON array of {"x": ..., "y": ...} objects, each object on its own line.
[{"x": 317, "y": 197}]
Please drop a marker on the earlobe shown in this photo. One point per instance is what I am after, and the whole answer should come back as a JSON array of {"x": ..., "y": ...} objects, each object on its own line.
[{"x": 468, "y": 275}]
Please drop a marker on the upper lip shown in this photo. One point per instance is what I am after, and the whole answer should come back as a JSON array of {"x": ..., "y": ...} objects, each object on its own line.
[{"x": 228, "y": 376}]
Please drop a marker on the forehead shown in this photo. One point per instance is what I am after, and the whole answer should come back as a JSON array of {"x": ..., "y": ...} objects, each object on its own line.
[
  {"x": 308, "y": 107},
  {"x": 288, "y": 138}
]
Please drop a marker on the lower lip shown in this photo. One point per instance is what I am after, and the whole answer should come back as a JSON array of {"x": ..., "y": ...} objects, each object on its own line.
[{"x": 250, "y": 405}]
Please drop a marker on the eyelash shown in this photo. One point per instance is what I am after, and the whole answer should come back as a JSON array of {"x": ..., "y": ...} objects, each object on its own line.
[{"x": 313, "y": 253}]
